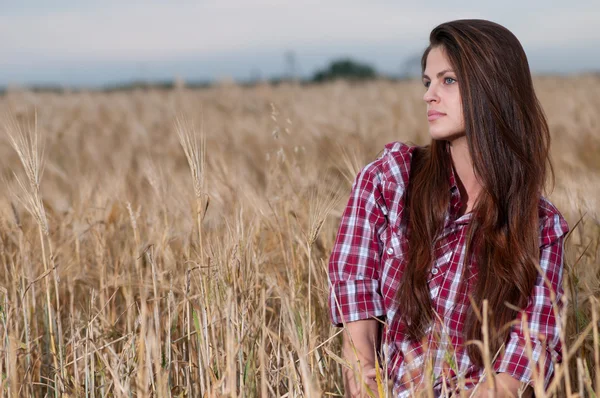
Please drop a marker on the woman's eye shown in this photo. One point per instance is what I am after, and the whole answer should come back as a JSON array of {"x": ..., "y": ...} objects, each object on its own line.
[
  {"x": 426, "y": 84},
  {"x": 448, "y": 78}
]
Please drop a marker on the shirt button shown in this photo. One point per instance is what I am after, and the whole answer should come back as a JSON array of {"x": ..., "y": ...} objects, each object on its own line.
[
  {"x": 390, "y": 250},
  {"x": 434, "y": 271}
]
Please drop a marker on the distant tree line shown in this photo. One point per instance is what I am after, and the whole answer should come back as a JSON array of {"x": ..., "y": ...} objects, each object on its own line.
[
  {"x": 338, "y": 69},
  {"x": 345, "y": 69}
]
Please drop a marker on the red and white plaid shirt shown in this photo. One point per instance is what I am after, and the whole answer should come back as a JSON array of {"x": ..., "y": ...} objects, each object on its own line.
[{"x": 365, "y": 269}]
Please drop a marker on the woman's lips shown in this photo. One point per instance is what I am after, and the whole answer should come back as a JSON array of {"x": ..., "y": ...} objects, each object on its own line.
[{"x": 434, "y": 116}]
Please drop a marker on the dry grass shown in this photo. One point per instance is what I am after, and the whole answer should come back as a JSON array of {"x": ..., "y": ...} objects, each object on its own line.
[{"x": 177, "y": 242}]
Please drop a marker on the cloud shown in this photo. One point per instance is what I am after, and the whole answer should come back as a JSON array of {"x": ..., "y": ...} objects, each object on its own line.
[
  {"x": 37, "y": 37},
  {"x": 135, "y": 29},
  {"x": 564, "y": 28},
  {"x": 168, "y": 29}
]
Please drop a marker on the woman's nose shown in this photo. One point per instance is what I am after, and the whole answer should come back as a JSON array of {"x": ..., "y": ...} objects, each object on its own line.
[{"x": 430, "y": 95}]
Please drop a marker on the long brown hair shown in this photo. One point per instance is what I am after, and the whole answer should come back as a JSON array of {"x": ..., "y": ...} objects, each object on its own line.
[{"x": 508, "y": 140}]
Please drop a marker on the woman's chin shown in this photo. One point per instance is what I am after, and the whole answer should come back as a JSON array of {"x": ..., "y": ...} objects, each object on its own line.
[
  {"x": 445, "y": 135},
  {"x": 439, "y": 135}
]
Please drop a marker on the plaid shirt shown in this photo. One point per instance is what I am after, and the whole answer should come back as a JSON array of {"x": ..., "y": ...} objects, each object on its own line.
[{"x": 366, "y": 264}]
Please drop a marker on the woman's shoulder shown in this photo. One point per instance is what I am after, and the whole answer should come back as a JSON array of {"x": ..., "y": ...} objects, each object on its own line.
[
  {"x": 392, "y": 164},
  {"x": 552, "y": 222}
]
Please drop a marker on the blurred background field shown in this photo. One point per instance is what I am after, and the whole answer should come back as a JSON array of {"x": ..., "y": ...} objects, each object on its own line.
[{"x": 114, "y": 290}]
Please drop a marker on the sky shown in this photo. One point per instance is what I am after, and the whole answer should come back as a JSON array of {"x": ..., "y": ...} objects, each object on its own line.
[{"x": 96, "y": 43}]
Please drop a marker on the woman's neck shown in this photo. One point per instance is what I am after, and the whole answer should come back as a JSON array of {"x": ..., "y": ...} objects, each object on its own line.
[{"x": 467, "y": 182}]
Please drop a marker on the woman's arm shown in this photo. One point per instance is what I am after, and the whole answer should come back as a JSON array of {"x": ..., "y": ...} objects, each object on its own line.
[
  {"x": 542, "y": 314},
  {"x": 360, "y": 342},
  {"x": 355, "y": 269},
  {"x": 354, "y": 264}
]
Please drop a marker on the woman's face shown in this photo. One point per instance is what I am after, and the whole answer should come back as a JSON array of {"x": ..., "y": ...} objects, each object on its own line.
[{"x": 444, "y": 106}]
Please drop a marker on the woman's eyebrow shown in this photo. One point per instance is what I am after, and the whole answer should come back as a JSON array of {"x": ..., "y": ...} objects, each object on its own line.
[{"x": 439, "y": 74}]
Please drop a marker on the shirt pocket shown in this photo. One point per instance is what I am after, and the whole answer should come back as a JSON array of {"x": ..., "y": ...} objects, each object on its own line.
[{"x": 394, "y": 246}]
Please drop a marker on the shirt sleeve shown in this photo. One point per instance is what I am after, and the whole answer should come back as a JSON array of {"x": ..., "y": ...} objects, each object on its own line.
[
  {"x": 541, "y": 319},
  {"x": 354, "y": 264}
]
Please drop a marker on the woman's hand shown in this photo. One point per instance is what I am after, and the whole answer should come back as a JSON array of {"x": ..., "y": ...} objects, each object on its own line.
[
  {"x": 506, "y": 386},
  {"x": 483, "y": 392},
  {"x": 355, "y": 388}
]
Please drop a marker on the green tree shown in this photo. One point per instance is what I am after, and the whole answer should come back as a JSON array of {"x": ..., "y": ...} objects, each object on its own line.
[{"x": 345, "y": 69}]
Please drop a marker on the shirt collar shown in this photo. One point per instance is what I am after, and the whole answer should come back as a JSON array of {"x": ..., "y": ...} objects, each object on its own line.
[
  {"x": 455, "y": 199},
  {"x": 452, "y": 179}
]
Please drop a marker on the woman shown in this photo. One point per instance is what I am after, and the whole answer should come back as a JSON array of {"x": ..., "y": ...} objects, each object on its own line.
[{"x": 430, "y": 233}]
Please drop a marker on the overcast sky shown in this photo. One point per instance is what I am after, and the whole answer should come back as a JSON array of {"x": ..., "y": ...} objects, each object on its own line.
[{"x": 105, "y": 42}]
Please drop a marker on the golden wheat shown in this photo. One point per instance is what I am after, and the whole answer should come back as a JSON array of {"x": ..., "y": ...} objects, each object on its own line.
[{"x": 177, "y": 242}]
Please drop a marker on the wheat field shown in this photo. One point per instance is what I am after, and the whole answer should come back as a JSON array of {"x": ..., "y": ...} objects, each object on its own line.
[{"x": 175, "y": 243}]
